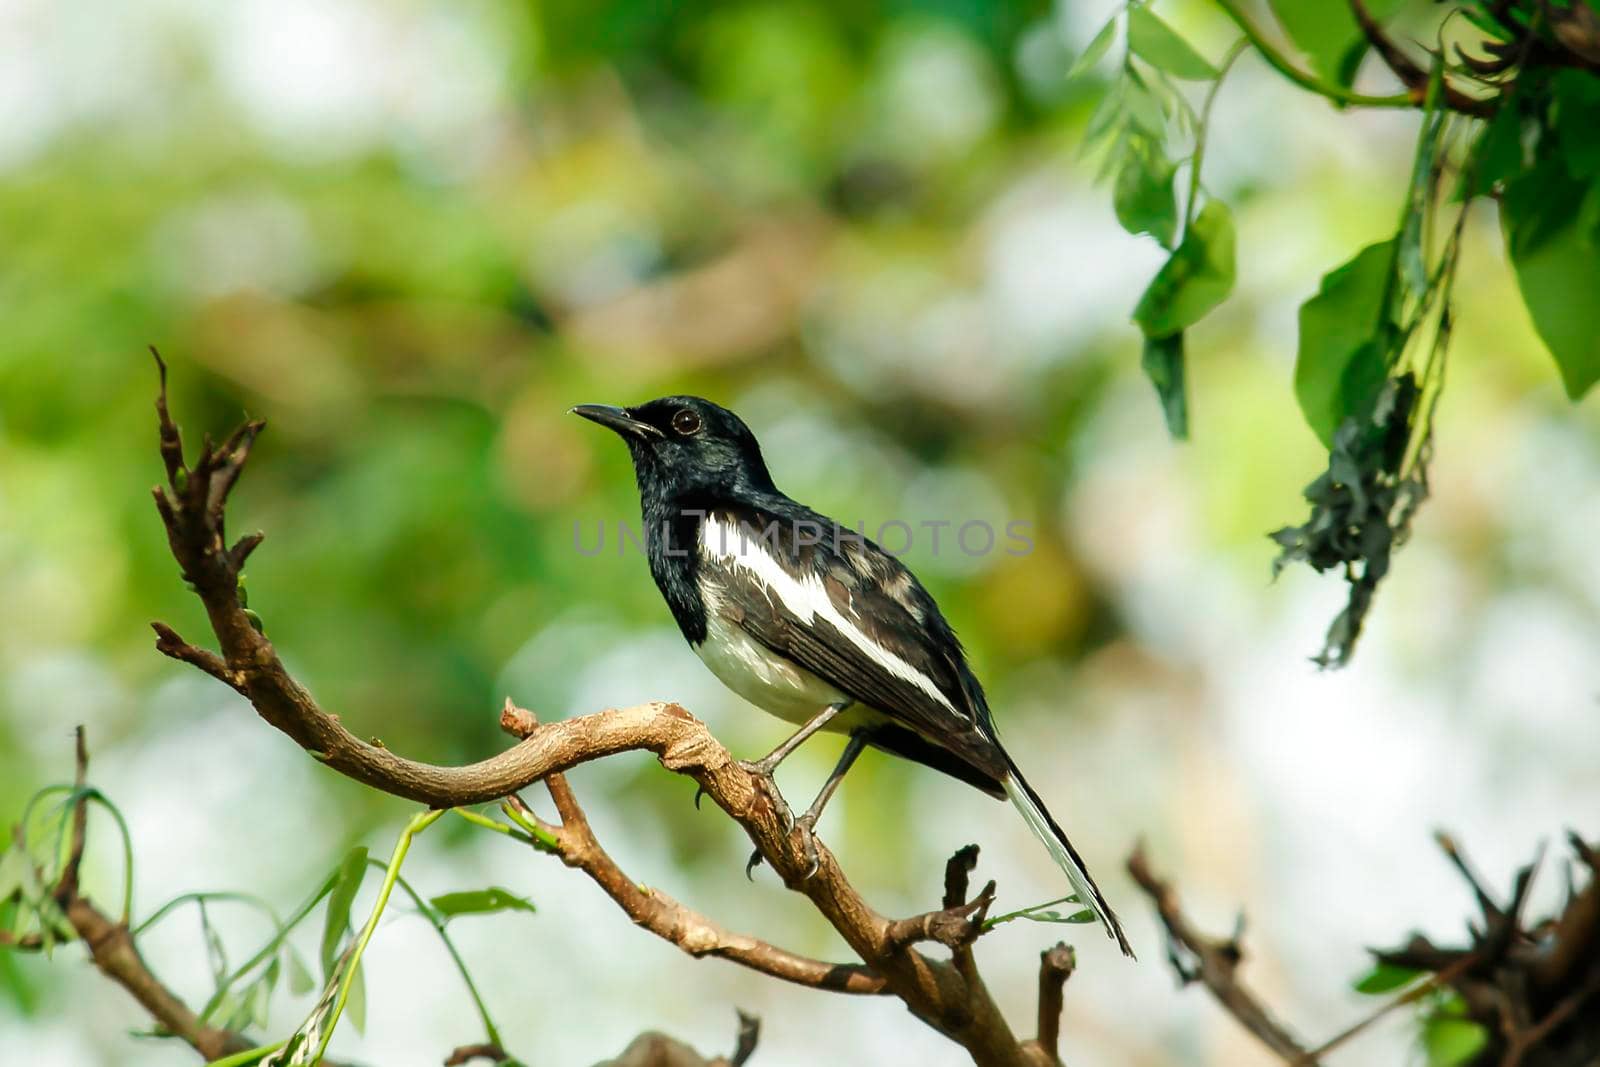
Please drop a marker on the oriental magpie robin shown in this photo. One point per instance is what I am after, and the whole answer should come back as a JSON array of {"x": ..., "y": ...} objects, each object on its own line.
[{"x": 811, "y": 621}]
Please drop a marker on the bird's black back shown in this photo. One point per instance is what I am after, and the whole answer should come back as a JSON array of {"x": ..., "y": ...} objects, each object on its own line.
[{"x": 940, "y": 719}]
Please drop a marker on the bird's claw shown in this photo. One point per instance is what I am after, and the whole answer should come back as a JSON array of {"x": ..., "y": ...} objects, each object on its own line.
[
  {"x": 698, "y": 793},
  {"x": 808, "y": 848},
  {"x": 805, "y": 826}
]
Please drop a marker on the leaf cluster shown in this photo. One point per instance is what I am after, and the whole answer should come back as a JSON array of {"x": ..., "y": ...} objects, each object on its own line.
[{"x": 1509, "y": 109}]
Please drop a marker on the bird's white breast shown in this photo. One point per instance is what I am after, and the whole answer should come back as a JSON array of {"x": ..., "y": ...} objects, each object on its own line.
[{"x": 762, "y": 677}]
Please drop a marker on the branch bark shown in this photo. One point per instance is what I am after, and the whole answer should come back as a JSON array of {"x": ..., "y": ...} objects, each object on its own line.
[
  {"x": 657, "y": 912},
  {"x": 1215, "y": 964},
  {"x": 948, "y": 996}
]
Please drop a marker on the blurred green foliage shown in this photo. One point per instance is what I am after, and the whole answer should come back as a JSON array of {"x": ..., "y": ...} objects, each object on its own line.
[{"x": 797, "y": 209}]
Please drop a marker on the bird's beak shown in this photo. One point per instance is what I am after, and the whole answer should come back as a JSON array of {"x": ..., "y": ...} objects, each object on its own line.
[{"x": 617, "y": 419}]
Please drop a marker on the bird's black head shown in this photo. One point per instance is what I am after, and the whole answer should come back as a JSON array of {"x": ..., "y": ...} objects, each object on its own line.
[{"x": 684, "y": 445}]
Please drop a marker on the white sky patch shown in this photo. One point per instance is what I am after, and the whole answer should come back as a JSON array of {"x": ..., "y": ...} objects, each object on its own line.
[{"x": 334, "y": 78}]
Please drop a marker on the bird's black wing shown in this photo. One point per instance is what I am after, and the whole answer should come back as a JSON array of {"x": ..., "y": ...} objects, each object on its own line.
[{"x": 836, "y": 604}]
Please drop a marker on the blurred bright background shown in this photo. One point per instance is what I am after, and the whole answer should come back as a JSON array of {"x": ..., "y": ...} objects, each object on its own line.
[{"x": 411, "y": 233}]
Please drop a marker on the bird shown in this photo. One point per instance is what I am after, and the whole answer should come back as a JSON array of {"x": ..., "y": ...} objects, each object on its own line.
[{"x": 812, "y": 621}]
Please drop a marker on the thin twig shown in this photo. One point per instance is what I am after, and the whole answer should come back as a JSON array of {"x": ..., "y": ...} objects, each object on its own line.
[
  {"x": 1056, "y": 965},
  {"x": 1410, "y": 996},
  {"x": 1215, "y": 964}
]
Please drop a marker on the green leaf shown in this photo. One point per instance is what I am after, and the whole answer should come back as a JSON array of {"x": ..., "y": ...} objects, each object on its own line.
[
  {"x": 1327, "y": 32},
  {"x": 1144, "y": 196},
  {"x": 1163, "y": 365},
  {"x": 1499, "y": 148},
  {"x": 14, "y": 868},
  {"x": 1143, "y": 107},
  {"x": 1450, "y": 1041},
  {"x": 1340, "y": 365},
  {"x": 1385, "y": 978},
  {"x": 1095, "y": 52},
  {"x": 216, "y": 953},
  {"x": 1106, "y": 117},
  {"x": 1160, "y": 46},
  {"x": 346, "y": 882},
  {"x": 479, "y": 902},
  {"x": 300, "y": 980},
  {"x": 1197, "y": 277},
  {"x": 1577, "y": 117},
  {"x": 1556, "y": 258},
  {"x": 18, "y": 991},
  {"x": 356, "y": 1005},
  {"x": 1080, "y": 917}
]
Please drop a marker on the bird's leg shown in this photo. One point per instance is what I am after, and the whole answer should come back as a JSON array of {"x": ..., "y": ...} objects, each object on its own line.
[
  {"x": 807, "y": 823},
  {"x": 763, "y": 767}
]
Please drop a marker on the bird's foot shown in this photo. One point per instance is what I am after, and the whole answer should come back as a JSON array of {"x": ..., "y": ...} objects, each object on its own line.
[
  {"x": 761, "y": 771},
  {"x": 763, "y": 767},
  {"x": 805, "y": 826}
]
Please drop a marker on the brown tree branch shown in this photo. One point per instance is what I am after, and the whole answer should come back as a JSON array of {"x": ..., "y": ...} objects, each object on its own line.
[
  {"x": 462, "y": 1054},
  {"x": 949, "y": 996},
  {"x": 1215, "y": 964},
  {"x": 1056, "y": 965},
  {"x": 1575, "y": 936},
  {"x": 1528, "y": 988},
  {"x": 656, "y": 911},
  {"x": 651, "y": 1049},
  {"x": 1534, "y": 990},
  {"x": 111, "y": 945}
]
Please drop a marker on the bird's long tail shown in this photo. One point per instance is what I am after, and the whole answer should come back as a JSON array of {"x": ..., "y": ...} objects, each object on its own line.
[{"x": 1046, "y": 830}]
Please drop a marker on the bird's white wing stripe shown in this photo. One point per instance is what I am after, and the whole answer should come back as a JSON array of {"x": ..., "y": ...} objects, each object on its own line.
[{"x": 804, "y": 597}]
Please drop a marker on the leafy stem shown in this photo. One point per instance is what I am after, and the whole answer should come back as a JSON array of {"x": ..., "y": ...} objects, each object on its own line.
[
  {"x": 1306, "y": 80},
  {"x": 1203, "y": 127},
  {"x": 349, "y": 967},
  {"x": 269, "y": 949},
  {"x": 438, "y": 925}
]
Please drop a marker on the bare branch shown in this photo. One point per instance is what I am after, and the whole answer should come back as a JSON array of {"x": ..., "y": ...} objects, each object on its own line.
[
  {"x": 950, "y": 997},
  {"x": 67, "y": 885},
  {"x": 665, "y": 917},
  {"x": 954, "y": 927},
  {"x": 467, "y": 1053},
  {"x": 1575, "y": 936},
  {"x": 168, "y": 643},
  {"x": 1056, "y": 965},
  {"x": 1214, "y": 964},
  {"x": 957, "y": 869}
]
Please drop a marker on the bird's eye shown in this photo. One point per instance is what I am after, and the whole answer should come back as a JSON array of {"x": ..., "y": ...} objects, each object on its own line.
[{"x": 686, "y": 422}]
